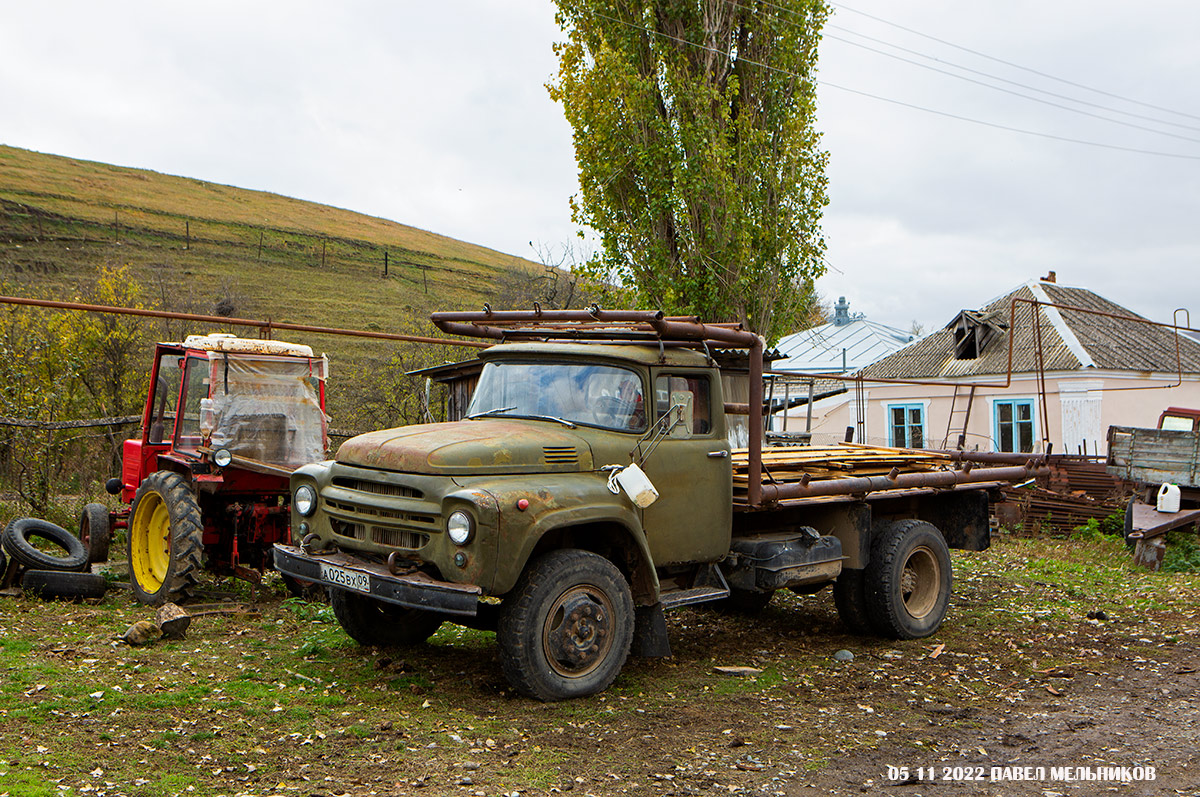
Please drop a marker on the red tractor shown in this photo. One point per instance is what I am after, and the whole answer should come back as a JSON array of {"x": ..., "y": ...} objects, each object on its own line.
[{"x": 226, "y": 421}]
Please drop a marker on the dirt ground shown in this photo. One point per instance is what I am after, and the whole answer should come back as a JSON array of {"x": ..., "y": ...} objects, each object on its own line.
[{"x": 282, "y": 703}]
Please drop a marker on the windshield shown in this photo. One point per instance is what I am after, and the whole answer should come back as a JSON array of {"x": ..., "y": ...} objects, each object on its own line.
[{"x": 595, "y": 395}]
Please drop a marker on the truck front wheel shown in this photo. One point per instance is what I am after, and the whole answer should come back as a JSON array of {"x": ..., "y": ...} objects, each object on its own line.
[
  {"x": 372, "y": 622},
  {"x": 566, "y": 628},
  {"x": 908, "y": 580},
  {"x": 166, "y": 539}
]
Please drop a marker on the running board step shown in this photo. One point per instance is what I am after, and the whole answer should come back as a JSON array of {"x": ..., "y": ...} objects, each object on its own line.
[{"x": 683, "y": 597}]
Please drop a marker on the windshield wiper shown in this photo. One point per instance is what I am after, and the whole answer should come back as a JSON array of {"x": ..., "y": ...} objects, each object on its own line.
[
  {"x": 563, "y": 421},
  {"x": 488, "y": 413}
]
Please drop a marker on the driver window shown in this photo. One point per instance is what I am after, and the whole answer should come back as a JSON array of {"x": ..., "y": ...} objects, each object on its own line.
[
  {"x": 165, "y": 398},
  {"x": 695, "y": 386}
]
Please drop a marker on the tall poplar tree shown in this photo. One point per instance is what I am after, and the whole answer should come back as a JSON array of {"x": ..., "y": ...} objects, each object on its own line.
[{"x": 700, "y": 165}]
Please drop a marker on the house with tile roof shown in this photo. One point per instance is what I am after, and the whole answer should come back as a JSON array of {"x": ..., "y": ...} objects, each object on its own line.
[{"x": 1045, "y": 364}]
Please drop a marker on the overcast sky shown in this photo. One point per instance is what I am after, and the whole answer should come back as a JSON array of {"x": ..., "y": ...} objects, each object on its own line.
[{"x": 436, "y": 115}]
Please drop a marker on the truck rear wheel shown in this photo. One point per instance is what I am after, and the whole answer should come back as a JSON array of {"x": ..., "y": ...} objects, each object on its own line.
[
  {"x": 166, "y": 540},
  {"x": 371, "y": 622},
  {"x": 566, "y": 628},
  {"x": 908, "y": 580}
]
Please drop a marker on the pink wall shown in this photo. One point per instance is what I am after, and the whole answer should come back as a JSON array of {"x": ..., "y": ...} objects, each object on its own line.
[{"x": 1080, "y": 406}]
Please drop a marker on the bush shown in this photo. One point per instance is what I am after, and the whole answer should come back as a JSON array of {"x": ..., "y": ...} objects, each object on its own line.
[{"x": 1183, "y": 553}]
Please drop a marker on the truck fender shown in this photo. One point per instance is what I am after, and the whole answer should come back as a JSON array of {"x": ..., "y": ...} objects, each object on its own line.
[{"x": 607, "y": 528}]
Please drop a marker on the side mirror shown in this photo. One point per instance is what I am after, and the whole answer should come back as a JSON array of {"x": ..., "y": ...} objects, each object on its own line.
[{"x": 681, "y": 414}]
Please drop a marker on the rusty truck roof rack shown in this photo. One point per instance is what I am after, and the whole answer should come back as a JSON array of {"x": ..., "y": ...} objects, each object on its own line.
[
  {"x": 593, "y": 324},
  {"x": 625, "y": 326}
]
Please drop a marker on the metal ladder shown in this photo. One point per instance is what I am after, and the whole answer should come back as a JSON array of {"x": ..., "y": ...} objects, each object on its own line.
[{"x": 965, "y": 412}]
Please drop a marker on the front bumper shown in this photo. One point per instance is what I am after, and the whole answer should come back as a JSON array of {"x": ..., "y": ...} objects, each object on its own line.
[{"x": 412, "y": 590}]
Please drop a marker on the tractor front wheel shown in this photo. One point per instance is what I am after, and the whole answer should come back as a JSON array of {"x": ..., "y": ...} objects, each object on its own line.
[{"x": 166, "y": 544}]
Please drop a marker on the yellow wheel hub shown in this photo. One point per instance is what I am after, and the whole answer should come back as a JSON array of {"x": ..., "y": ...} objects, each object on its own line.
[{"x": 150, "y": 542}]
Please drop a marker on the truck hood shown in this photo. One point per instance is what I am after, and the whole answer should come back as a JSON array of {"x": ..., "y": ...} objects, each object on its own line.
[{"x": 471, "y": 447}]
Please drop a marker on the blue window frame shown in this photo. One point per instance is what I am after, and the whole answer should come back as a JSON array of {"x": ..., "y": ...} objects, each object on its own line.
[
  {"x": 906, "y": 425},
  {"x": 1014, "y": 425}
]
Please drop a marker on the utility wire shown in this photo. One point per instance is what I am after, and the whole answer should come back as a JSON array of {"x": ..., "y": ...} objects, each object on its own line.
[
  {"x": 901, "y": 103},
  {"x": 1014, "y": 65},
  {"x": 919, "y": 54},
  {"x": 1066, "y": 97},
  {"x": 1017, "y": 93}
]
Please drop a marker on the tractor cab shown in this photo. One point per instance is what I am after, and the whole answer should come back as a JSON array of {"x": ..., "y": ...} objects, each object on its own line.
[
  {"x": 219, "y": 400},
  {"x": 226, "y": 421}
]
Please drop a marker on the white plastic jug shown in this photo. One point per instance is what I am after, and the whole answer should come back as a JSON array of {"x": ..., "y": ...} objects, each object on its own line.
[
  {"x": 1168, "y": 498},
  {"x": 635, "y": 484}
]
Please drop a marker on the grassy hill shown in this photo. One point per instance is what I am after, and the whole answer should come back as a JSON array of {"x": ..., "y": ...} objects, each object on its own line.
[{"x": 191, "y": 245}]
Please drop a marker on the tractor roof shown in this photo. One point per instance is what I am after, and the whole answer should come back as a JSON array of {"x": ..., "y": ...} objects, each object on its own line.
[{"x": 223, "y": 341}]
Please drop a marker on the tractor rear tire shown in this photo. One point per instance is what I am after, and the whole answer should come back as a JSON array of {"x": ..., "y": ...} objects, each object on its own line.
[
  {"x": 47, "y": 584},
  {"x": 16, "y": 542},
  {"x": 95, "y": 532},
  {"x": 166, "y": 540},
  {"x": 375, "y": 623}
]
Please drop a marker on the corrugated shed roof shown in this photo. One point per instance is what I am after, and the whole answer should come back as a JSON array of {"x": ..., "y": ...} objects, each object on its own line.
[
  {"x": 1070, "y": 341},
  {"x": 819, "y": 350}
]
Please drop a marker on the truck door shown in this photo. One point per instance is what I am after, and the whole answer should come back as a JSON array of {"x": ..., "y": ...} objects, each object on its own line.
[{"x": 691, "y": 520}]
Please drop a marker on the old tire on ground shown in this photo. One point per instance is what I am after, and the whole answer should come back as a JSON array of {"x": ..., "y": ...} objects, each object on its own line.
[
  {"x": 95, "y": 532},
  {"x": 850, "y": 598},
  {"x": 67, "y": 585},
  {"x": 908, "y": 580},
  {"x": 16, "y": 540},
  {"x": 166, "y": 540},
  {"x": 372, "y": 622},
  {"x": 565, "y": 629}
]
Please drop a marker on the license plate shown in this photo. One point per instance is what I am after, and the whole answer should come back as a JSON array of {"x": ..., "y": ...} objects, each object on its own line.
[{"x": 350, "y": 579}]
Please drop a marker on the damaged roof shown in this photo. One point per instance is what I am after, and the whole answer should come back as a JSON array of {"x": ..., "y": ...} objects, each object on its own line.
[{"x": 1071, "y": 340}]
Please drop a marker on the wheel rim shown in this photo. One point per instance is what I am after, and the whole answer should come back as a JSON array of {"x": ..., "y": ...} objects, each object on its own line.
[
  {"x": 577, "y": 634},
  {"x": 150, "y": 542},
  {"x": 920, "y": 582}
]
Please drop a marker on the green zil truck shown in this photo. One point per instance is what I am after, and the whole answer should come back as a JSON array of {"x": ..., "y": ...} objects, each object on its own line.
[{"x": 606, "y": 472}]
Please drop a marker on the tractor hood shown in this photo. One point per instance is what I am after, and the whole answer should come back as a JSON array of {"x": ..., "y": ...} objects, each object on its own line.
[{"x": 471, "y": 447}]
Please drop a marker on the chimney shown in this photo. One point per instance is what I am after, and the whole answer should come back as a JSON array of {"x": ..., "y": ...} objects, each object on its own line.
[{"x": 1049, "y": 277}]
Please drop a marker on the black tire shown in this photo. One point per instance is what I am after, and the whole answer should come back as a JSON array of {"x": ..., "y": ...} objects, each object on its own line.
[
  {"x": 166, "y": 540},
  {"x": 372, "y": 622},
  {"x": 16, "y": 541},
  {"x": 850, "y": 598},
  {"x": 908, "y": 580},
  {"x": 95, "y": 532},
  {"x": 1130, "y": 544},
  {"x": 565, "y": 629},
  {"x": 49, "y": 584}
]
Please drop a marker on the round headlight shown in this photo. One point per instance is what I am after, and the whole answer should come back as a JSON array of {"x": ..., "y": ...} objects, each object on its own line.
[
  {"x": 305, "y": 500},
  {"x": 460, "y": 527},
  {"x": 222, "y": 457}
]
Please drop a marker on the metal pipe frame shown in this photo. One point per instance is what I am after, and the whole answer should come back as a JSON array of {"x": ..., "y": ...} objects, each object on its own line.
[
  {"x": 869, "y": 484},
  {"x": 265, "y": 327}
]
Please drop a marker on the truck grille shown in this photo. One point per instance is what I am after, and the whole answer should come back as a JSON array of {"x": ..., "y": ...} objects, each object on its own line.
[
  {"x": 560, "y": 455},
  {"x": 378, "y": 488},
  {"x": 389, "y": 514},
  {"x": 395, "y": 538}
]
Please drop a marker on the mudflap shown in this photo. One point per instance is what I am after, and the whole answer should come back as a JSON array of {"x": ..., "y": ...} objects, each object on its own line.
[{"x": 650, "y": 639}]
